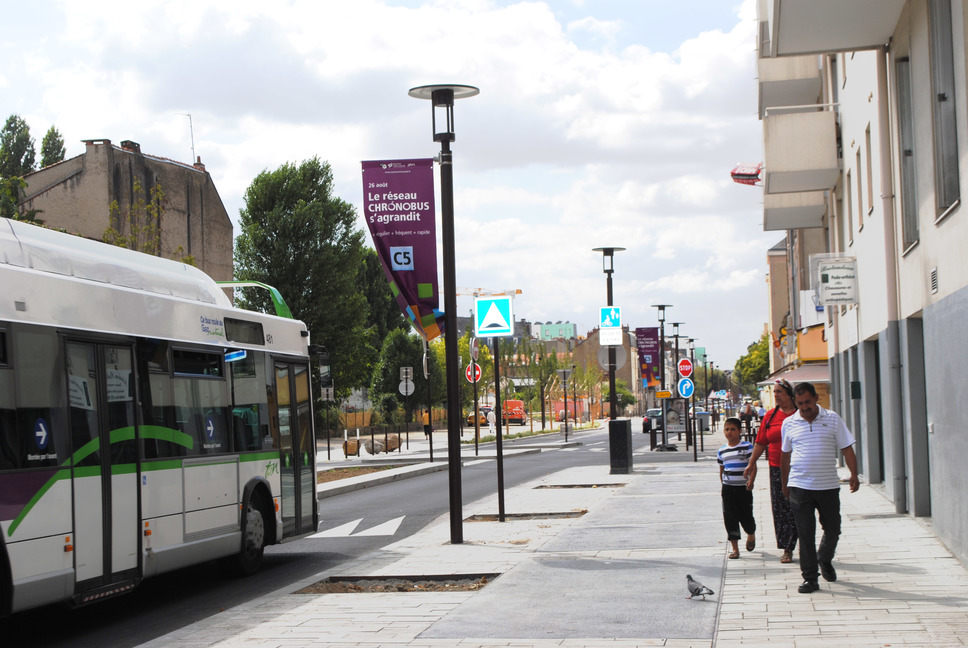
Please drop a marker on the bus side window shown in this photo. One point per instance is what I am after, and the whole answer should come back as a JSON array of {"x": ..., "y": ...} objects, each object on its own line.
[
  {"x": 40, "y": 396},
  {"x": 10, "y": 454}
]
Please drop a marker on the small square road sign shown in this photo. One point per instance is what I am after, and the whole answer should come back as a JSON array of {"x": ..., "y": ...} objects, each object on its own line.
[{"x": 493, "y": 317}]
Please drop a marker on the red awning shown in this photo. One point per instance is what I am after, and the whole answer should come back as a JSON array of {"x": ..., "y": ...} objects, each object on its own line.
[{"x": 747, "y": 173}]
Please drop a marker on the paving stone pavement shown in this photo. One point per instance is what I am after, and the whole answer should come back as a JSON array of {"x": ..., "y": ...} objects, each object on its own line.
[{"x": 614, "y": 577}]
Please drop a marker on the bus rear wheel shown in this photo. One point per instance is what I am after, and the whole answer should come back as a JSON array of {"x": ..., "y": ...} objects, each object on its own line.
[{"x": 253, "y": 537}]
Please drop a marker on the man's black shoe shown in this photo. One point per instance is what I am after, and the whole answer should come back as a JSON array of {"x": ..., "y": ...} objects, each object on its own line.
[
  {"x": 828, "y": 572},
  {"x": 808, "y": 586}
]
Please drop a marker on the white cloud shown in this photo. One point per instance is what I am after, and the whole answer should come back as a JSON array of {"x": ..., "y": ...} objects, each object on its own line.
[{"x": 581, "y": 136}]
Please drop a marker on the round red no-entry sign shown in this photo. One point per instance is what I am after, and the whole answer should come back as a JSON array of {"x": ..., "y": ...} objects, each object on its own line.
[
  {"x": 685, "y": 367},
  {"x": 473, "y": 372}
]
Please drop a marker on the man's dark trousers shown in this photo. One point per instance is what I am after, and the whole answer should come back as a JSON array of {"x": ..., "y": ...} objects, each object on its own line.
[{"x": 804, "y": 503}]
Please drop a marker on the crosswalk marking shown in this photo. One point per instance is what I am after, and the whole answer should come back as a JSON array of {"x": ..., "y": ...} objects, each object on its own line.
[
  {"x": 341, "y": 531},
  {"x": 387, "y": 528}
]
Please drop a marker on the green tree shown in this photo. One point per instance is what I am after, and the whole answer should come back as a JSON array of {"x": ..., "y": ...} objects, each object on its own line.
[
  {"x": 297, "y": 236},
  {"x": 139, "y": 226},
  {"x": 402, "y": 348},
  {"x": 17, "y": 154},
  {"x": 10, "y": 192},
  {"x": 623, "y": 395},
  {"x": 385, "y": 314},
  {"x": 52, "y": 148},
  {"x": 754, "y": 366}
]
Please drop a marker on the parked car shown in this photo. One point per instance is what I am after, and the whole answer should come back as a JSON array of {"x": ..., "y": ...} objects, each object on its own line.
[
  {"x": 655, "y": 417},
  {"x": 481, "y": 416}
]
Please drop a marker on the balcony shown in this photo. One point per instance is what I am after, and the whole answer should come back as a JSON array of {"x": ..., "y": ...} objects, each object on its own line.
[
  {"x": 800, "y": 151},
  {"x": 793, "y": 81},
  {"x": 793, "y": 210},
  {"x": 796, "y": 27}
]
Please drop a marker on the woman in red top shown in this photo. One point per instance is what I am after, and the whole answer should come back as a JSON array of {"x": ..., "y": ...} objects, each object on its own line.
[{"x": 769, "y": 438}]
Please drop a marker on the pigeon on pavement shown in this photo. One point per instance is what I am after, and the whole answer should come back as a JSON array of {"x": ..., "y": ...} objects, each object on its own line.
[{"x": 696, "y": 588}]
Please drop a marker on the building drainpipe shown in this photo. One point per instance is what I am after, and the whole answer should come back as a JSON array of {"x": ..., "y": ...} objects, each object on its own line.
[{"x": 894, "y": 404}]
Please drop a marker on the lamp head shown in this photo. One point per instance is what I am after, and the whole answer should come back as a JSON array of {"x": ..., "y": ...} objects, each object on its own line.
[
  {"x": 442, "y": 97},
  {"x": 608, "y": 257}
]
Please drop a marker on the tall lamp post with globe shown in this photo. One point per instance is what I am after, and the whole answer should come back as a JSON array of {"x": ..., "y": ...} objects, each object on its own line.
[
  {"x": 442, "y": 99},
  {"x": 619, "y": 430}
]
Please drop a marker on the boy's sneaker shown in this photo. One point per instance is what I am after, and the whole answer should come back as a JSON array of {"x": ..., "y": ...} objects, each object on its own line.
[
  {"x": 828, "y": 572},
  {"x": 808, "y": 586}
]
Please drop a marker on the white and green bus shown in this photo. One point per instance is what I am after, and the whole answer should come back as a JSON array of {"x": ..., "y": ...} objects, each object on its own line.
[{"x": 145, "y": 424}]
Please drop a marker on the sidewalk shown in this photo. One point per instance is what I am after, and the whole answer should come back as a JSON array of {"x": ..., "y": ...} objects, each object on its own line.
[{"x": 615, "y": 576}]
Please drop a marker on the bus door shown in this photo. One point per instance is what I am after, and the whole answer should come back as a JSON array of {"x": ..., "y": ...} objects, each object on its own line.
[
  {"x": 101, "y": 388},
  {"x": 297, "y": 448}
]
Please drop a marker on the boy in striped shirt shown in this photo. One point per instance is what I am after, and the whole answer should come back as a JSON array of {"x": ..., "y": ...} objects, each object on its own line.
[{"x": 737, "y": 491}]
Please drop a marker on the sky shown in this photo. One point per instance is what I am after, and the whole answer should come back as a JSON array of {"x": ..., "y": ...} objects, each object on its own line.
[{"x": 598, "y": 123}]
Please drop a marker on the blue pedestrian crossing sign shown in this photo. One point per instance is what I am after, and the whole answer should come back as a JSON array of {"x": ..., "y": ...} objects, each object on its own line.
[
  {"x": 493, "y": 317},
  {"x": 686, "y": 387}
]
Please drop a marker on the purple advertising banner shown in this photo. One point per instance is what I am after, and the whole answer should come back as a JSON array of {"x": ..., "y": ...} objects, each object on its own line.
[
  {"x": 398, "y": 204},
  {"x": 647, "y": 340}
]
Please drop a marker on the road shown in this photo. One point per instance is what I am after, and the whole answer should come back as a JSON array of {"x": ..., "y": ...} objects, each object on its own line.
[{"x": 351, "y": 525}]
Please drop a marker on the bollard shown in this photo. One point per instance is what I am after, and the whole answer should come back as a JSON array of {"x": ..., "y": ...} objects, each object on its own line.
[{"x": 620, "y": 446}]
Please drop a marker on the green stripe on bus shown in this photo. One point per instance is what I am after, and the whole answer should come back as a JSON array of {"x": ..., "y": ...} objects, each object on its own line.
[
  {"x": 116, "y": 436},
  {"x": 165, "y": 434},
  {"x": 92, "y": 446}
]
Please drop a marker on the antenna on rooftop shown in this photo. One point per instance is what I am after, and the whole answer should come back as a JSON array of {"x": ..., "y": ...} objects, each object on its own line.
[{"x": 191, "y": 130}]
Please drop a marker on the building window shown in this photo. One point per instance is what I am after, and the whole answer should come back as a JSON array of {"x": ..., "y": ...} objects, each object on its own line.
[
  {"x": 909, "y": 195},
  {"x": 943, "y": 95}
]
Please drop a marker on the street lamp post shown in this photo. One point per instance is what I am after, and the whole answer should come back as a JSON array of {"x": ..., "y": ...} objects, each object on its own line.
[
  {"x": 564, "y": 373},
  {"x": 675, "y": 370},
  {"x": 662, "y": 308},
  {"x": 442, "y": 99},
  {"x": 608, "y": 260}
]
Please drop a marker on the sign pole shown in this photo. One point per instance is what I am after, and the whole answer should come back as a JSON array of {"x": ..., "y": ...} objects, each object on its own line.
[{"x": 497, "y": 423}]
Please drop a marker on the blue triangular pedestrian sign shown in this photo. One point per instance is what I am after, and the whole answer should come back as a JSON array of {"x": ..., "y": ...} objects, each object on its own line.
[{"x": 493, "y": 317}]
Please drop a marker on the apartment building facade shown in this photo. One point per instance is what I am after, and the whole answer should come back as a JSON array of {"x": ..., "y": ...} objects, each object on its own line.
[
  {"x": 863, "y": 106},
  {"x": 76, "y": 195}
]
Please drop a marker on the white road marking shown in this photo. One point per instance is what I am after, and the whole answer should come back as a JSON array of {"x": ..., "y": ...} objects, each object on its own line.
[
  {"x": 388, "y": 528},
  {"x": 341, "y": 531}
]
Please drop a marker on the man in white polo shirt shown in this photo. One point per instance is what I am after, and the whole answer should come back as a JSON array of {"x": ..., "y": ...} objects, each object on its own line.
[{"x": 808, "y": 472}]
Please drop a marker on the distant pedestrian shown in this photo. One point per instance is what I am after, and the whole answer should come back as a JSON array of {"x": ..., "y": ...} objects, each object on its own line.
[
  {"x": 737, "y": 490},
  {"x": 769, "y": 440},
  {"x": 491, "y": 420},
  {"x": 426, "y": 424},
  {"x": 811, "y": 439}
]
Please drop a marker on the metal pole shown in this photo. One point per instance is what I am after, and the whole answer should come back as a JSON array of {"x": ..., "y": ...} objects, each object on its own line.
[
  {"x": 705, "y": 372},
  {"x": 574, "y": 402},
  {"x": 450, "y": 338},
  {"x": 477, "y": 411},
  {"x": 612, "y": 396},
  {"x": 564, "y": 402},
  {"x": 696, "y": 423},
  {"x": 500, "y": 445},
  {"x": 430, "y": 410}
]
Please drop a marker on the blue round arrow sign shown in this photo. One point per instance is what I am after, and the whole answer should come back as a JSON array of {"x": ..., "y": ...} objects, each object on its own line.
[{"x": 686, "y": 387}]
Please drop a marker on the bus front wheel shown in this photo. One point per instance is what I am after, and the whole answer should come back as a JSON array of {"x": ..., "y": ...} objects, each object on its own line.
[{"x": 253, "y": 537}]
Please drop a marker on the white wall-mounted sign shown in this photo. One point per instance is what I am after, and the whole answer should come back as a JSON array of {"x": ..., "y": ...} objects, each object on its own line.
[{"x": 837, "y": 281}]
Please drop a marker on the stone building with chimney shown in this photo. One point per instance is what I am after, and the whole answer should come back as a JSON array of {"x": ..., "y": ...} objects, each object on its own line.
[{"x": 76, "y": 195}]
